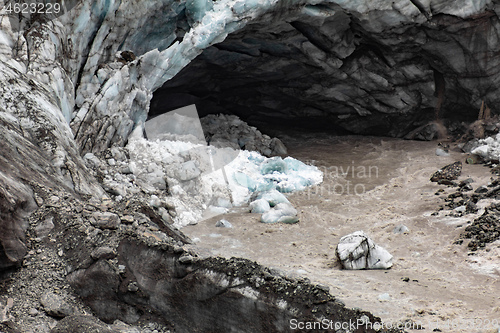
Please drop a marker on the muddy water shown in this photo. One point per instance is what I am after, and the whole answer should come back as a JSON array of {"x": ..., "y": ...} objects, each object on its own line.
[{"x": 376, "y": 184}]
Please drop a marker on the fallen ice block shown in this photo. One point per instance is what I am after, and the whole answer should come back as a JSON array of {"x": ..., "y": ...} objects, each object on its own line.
[
  {"x": 294, "y": 183},
  {"x": 273, "y": 197},
  {"x": 358, "y": 251},
  {"x": 259, "y": 206},
  {"x": 283, "y": 212}
]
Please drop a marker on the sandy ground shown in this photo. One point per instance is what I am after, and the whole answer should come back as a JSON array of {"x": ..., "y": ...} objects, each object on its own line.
[{"x": 447, "y": 288}]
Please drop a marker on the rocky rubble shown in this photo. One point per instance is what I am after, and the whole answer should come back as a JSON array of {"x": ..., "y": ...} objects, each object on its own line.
[
  {"x": 483, "y": 230},
  {"x": 228, "y": 130}
]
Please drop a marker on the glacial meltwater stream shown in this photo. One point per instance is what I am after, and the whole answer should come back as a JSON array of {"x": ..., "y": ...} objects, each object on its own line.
[{"x": 374, "y": 185}]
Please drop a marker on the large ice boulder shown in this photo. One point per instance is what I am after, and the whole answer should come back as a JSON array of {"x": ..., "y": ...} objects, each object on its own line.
[
  {"x": 259, "y": 206},
  {"x": 283, "y": 212},
  {"x": 489, "y": 148},
  {"x": 358, "y": 251},
  {"x": 273, "y": 197}
]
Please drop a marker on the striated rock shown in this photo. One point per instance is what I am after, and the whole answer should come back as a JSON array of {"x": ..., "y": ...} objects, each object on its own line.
[
  {"x": 103, "y": 252},
  {"x": 358, "y": 251},
  {"x": 106, "y": 220}
]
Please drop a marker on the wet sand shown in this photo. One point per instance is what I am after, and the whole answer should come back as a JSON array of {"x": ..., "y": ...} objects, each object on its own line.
[{"x": 376, "y": 184}]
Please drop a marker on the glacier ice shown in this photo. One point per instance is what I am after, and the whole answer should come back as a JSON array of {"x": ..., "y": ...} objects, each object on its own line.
[
  {"x": 181, "y": 124},
  {"x": 273, "y": 197},
  {"x": 358, "y": 251},
  {"x": 282, "y": 212},
  {"x": 489, "y": 148},
  {"x": 259, "y": 206},
  {"x": 206, "y": 181}
]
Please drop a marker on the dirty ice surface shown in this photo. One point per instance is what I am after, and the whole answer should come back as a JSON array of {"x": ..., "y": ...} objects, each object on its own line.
[{"x": 377, "y": 185}]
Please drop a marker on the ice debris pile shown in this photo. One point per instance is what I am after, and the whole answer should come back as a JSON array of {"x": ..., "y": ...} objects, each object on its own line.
[
  {"x": 273, "y": 206},
  {"x": 489, "y": 148},
  {"x": 188, "y": 181},
  {"x": 230, "y": 131},
  {"x": 358, "y": 251}
]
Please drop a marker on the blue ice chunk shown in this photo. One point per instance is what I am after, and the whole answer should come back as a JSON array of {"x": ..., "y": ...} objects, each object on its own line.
[
  {"x": 256, "y": 158},
  {"x": 296, "y": 165},
  {"x": 251, "y": 184},
  {"x": 288, "y": 219},
  {"x": 271, "y": 216},
  {"x": 223, "y": 224},
  {"x": 283, "y": 212},
  {"x": 273, "y": 197},
  {"x": 244, "y": 180},
  {"x": 286, "y": 187},
  {"x": 274, "y": 165},
  {"x": 259, "y": 206},
  {"x": 196, "y": 9}
]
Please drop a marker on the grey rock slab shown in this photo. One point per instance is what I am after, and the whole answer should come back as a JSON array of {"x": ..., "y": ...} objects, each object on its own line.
[
  {"x": 55, "y": 305},
  {"x": 44, "y": 228},
  {"x": 223, "y": 224}
]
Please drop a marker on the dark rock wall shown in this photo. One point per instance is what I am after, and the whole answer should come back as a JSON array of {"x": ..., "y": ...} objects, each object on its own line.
[
  {"x": 364, "y": 73},
  {"x": 204, "y": 295}
]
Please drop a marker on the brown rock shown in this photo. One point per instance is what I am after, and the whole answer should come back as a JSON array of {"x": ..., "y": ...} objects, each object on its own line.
[{"x": 449, "y": 172}]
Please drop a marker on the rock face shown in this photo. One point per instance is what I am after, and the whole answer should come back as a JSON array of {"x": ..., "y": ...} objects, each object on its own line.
[
  {"x": 368, "y": 67},
  {"x": 358, "y": 251}
]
